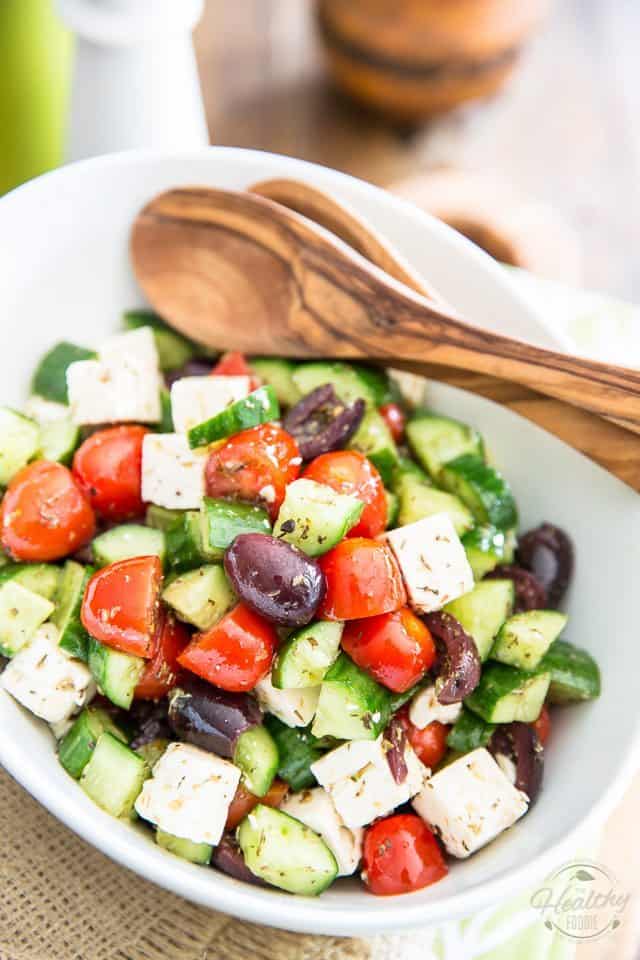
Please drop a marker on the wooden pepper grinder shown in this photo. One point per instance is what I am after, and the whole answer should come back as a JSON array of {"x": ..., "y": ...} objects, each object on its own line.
[{"x": 410, "y": 59}]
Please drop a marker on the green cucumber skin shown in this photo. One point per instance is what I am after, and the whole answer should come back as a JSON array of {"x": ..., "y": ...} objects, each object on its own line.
[
  {"x": 278, "y": 373},
  {"x": 365, "y": 704},
  {"x": 224, "y": 520},
  {"x": 487, "y": 547},
  {"x": 373, "y": 439},
  {"x": 76, "y": 747},
  {"x": 380, "y": 384},
  {"x": 116, "y": 673},
  {"x": 346, "y": 380},
  {"x": 184, "y": 542},
  {"x": 405, "y": 468},
  {"x": 524, "y": 638},
  {"x": 435, "y": 440},
  {"x": 482, "y": 489},
  {"x": 297, "y": 750},
  {"x": 483, "y": 611},
  {"x": 185, "y": 849},
  {"x": 469, "y": 732},
  {"x": 261, "y": 406},
  {"x": 160, "y": 518},
  {"x": 166, "y": 413},
  {"x": 73, "y": 636},
  {"x": 575, "y": 675},
  {"x": 505, "y": 694},
  {"x": 257, "y": 755},
  {"x": 294, "y": 666},
  {"x": 50, "y": 379}
]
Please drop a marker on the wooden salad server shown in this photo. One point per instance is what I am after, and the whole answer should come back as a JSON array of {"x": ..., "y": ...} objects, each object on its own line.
[{"x": 238, "y": 270}]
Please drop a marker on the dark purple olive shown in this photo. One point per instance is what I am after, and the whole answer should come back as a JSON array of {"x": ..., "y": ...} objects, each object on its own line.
[
  {"x": 458, "y": 665},
  {"x": 150, "y": 722},
  {"x": 211, "y": 718},
  {"x": 192, "y": 368},
  {"x": 520, "y": 743},
  {"x": 275, "y": 579},
  {"x": 228, "y": 858},
  {"x": 3, "y": 662},
  {"x": 395, "y": 740},
  {"x": 530, "y": 594},
  {"x": 548, "y": 552},
  {"x": 321, "y": 422}
]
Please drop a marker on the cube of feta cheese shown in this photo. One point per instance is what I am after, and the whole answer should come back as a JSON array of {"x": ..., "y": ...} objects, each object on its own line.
[
  {"x": 316, "y": 809},
  {"x": 172, "y": 473},
  {"x": 189, "y": 793},
  {"x": 424, "y": 708},
  {"x": 46, "y": 680},
  {"x": 470, "y": 802},
  {"x": 358, "y": 779},
  {"x": 432, "y": 561},
  {"x": 122, "y": 384},
  {"x": 196, "y": 399},
  {"x": 294, "y": 707}
]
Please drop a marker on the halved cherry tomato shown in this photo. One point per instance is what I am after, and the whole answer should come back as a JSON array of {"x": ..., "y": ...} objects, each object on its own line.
[
  {"x": 45, "y": 515},
  {"x": 363, "y": 580},
  {"x": 161, "y": 671},
  {"x": 235, "y": 654},
  {"x": 395, "y": 648},
  {"x": 234, "y": 364},
  {"x": 395, "y": 418},
  {"x": 542, "y": 725},
  {"x": 244, "y": 802},
  {"x": 348, "y": 471},
  {"x": 121, "y": 605},
  {"x": 401, "y": 854},
  {"x": 255, "y": 465},
  {"x": 430, "y": 743},
  {"x": 108, "y": 468}
]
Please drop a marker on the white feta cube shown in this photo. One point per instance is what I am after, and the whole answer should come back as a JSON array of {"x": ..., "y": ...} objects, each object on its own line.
[
  {"x": 189, "y": 793},
  {"x": 46, "y": 680},
  {"x": 424, "y": 708},
  {"x": 432, "y": 561},
  {"x": 294, "y": 707},
  {"x": 358, "y": 779},
  {"x": 196, "y": 399},
  {"x": 469, "y": 802},
  {"x": 172, "y": 473},
  {"x": 316, "y": 809}
]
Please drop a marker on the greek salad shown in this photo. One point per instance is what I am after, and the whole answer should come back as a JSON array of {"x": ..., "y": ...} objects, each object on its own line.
[{"x": 276, "y": 612}]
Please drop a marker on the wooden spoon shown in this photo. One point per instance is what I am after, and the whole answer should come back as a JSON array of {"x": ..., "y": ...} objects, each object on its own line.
[
  {"x": 238, "y": 270},
  {"x": 614, "y": 448}
]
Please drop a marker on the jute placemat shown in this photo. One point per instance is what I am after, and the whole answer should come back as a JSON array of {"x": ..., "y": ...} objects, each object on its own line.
[{"x": 62, "y": 900}]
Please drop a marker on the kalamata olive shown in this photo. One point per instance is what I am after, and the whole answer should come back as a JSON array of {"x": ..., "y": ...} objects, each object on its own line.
[
  {"x": 228, "y": 858},
  {"x": 209, "y": 717},
  {"x": 395, "y": 740},
  {"x": 275, "y": 579},
  {"x": 519, "y": 742},
  {"x": 458, "y": 665},
  {"x": 321, "y": 422},
  {"x": 150, "y": 722},
  {"x": 192, "y": 368},
  {"x": 530, "y": 594},
  {"x": 3, "y": 662},
  {"x": 548, "y": 552}
]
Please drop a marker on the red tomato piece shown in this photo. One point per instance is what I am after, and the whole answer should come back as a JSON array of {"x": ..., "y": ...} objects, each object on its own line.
[
  {"x": 430, "y": 743},
  {"x": 395, "y": 418},
  {"x": 161, "y": 671},
  {"x": 542, "y": 725},
  {"x": 401, "y": 854},
  {"x": 121, "y": 605},
  {"x": 108, "y": 468},
  {"x": 45, "y": 516},
  {"x": 235, "y": 654},
  {"x": 347, "y": 471},
  {"x": 255, "y": 465},
  {"x": 395, "y": 648},
  {"x": 244, "y": 802},
  {"x": 363, "y": 580},
  {"x": 234, "y": 364}
]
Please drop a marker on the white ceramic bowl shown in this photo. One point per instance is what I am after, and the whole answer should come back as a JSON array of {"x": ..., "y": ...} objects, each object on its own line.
[{"x": 66, "y": 275}]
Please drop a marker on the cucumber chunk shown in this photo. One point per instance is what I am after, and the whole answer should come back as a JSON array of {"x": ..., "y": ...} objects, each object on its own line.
[
  {"x": 256, "y": 754},
  {"x": 201, "y": 596},
  {"x": 21, "y": 613},
  {"x": 128, "y": 540},
  {"x": 482, "y": 489},
  {"x": 347, "y": 380},
  {"x": 185, "y": 548},
  {"x": 352, "y": 706},
  {"x": 116, "y": 673},
  {"x": 575, "y": 675},
  {"x": 40, "y": 578},
  {"x": 405, "y": 468},
  {"x": 304, "y": 658},
  {"x": 380, "y": 384},
  {"x": 160, "y": 518},
  {"x": 505, "y": 694},
  {"x": 419, "y": 500},
  {"x": 373, "y": 439},
  {"x": 80, "y": 741},
  {"x": 393, "y": 509},
  {"x": 152, "y": 751},
  {"x": 525, "y": 638},
  {"x": 285, "y": 852},
  {"x": 19, "y": 442},
  {"x": 165, "y": 424},
  {"x": 435, "y": 440},
  {"x": 187, "y": 849},
  {"x": 58, "y": 440},
  {"x": 73, "y": 636},
  {"x": 173, "y": 349},
  {"x": 469, "y": 732},
  {"x": 483, "y": 611},
  {"x": 486, "y": 547},
  {"x": 314, "y": 518},
  {"x": 50, "y": 379},
  {"x": 114, "y": 776},
  {"x": 223, "y": 520},
  {"x": 278, "y": 373},
  {"x": 261, "y": 406},
  {"x": 297, "y": 749}
]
